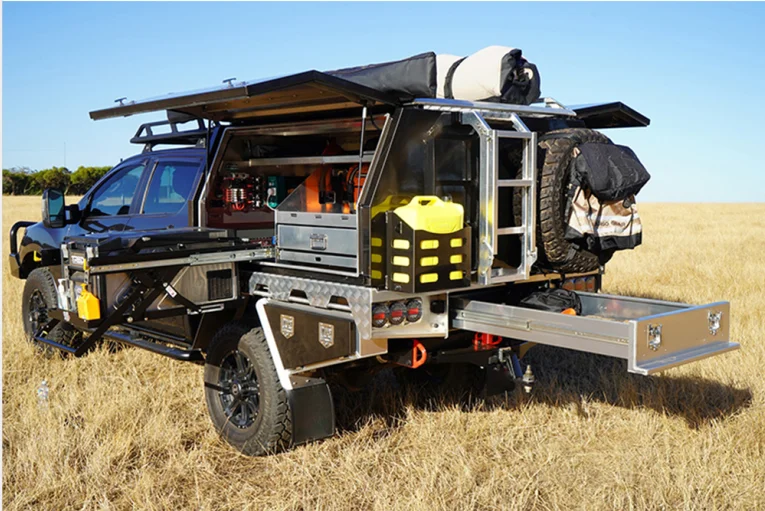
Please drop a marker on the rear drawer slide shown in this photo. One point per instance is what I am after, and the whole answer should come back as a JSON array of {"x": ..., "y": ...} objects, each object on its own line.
[{"x": 652, "y": 335}]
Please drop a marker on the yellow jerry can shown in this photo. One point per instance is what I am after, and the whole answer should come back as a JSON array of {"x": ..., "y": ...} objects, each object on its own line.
[
  {"x": 431, "y": 214},
  {"x": 88, "y": 305}
]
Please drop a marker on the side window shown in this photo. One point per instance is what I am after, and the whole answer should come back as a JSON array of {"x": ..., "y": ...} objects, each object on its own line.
[
  {"x": 115, "y": 196},
  {"x": 171, "y": 187}
]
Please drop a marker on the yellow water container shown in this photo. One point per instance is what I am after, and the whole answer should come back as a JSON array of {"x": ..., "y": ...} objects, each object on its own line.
[
  {"x": 88, "y": 305},
  {"x": 390, "y": 202},
  {"x": 431, "y": 214}
]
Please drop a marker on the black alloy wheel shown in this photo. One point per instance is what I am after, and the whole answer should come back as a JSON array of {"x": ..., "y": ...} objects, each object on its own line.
[
  {"x": 246, "y": 401},
  {"x": 238, "y": 389},
  {"x": 38, "y": 299},
  {"x": 37, "y": 314}
]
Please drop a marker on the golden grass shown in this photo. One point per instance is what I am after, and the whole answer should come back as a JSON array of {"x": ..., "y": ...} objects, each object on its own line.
[{"x": 130, "y": 429}]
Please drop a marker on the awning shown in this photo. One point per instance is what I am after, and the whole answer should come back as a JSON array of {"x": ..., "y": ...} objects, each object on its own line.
[{"x": 307, "y": 92}]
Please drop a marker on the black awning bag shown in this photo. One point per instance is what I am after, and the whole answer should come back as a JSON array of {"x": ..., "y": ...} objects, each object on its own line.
[
  {"x": 610, "y": 172},
  {"x": 406, "y": 79}
]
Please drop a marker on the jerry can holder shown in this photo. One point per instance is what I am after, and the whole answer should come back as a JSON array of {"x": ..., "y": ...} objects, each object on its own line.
[{"x": 418, "y": 261}]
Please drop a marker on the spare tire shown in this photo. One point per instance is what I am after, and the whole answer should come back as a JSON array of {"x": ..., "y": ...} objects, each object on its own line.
[{"x": 554, "y": 156}]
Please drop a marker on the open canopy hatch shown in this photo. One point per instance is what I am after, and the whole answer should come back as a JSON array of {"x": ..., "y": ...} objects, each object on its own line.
[
  {"x": 317, "y": 93},
  {"x": 307, "y": 92},
  {"x": 610, "y": 115}
]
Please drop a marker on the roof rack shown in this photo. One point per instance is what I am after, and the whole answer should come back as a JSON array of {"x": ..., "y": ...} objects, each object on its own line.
[{"x": 145, "y": 134}]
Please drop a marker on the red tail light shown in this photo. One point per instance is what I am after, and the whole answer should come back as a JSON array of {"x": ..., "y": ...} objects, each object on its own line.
[
  {"x": 397, "y": 313},
  {"x": 380, "y": 315},
  {"x": 414, "y": 310}
]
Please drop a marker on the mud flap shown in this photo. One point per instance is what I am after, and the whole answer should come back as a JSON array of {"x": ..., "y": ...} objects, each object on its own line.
[{"x": 312, "y": 409}]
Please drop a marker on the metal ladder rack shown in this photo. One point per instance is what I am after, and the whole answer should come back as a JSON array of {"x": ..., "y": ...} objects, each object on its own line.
[{"x": 489, "y": 187}]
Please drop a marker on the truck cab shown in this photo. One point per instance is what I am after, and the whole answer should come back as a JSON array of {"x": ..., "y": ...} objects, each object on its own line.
[
  {"x": 151, "y": 190},
  {"x": 154, "y": 190}
]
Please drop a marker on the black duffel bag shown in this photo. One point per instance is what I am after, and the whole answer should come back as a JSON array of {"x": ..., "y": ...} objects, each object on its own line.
[
  {"x": 553, "y": 300},
  {"x": 610, "y": 172}
]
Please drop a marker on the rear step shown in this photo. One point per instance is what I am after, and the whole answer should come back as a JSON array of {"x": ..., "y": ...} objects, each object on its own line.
[{"x": 651, "y": 335}]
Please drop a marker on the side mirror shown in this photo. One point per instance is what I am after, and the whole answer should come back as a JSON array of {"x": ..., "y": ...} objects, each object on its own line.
[{"x": 53, "y": 208}]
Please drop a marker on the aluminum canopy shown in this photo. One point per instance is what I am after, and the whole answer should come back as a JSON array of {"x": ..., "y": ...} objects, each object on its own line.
[{"x": 307, "y": 92}]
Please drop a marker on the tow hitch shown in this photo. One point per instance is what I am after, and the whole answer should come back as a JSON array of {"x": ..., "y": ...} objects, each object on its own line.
[{"x": 502, "y": 365}]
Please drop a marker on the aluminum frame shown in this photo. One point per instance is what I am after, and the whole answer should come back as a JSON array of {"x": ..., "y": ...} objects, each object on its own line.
[
  {"x": 192, "y": 260},
  {"x": 492, "y": 110},
  {"x": 489, "y": 185}
]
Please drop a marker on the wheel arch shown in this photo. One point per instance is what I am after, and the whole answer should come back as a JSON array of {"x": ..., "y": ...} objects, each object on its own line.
[{"x": 209, "y": 323}]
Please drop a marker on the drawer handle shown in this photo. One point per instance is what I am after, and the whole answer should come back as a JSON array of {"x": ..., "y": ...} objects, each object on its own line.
[
  {"x": 654, "y": 337},
  {"x": 318, "y": 241}
]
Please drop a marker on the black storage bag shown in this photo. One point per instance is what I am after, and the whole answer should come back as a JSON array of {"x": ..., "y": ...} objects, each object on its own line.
[
  {"x": 553, "y": 300},
  {"x": 610, "y": 172}
]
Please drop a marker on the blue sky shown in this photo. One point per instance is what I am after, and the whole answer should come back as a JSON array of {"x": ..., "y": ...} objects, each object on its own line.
[{"x": 697, "y": 70}]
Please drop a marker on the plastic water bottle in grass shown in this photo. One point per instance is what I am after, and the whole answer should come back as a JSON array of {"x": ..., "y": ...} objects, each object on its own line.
[{"x": 42, "y": 394}]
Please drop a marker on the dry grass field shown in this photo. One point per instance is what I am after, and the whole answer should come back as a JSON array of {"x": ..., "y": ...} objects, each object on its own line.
[{"x": 130, "y": 429}]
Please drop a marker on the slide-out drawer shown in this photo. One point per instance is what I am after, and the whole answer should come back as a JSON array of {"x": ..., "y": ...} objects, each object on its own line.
[
  {"x": 318, "y": 239},
  {"x": 652, "y": 335}
]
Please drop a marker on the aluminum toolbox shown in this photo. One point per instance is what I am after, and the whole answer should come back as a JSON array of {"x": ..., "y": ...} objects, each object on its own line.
[
  {"x": 652, "y": 335},
  {"x": 317, "y": 239}
]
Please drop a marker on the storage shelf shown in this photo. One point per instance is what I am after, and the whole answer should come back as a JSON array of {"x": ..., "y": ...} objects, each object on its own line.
[{"x": 308, "y": 160}]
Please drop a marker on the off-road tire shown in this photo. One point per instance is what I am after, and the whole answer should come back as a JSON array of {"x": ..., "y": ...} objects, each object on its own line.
[
  {"x": 555, "y": 153},
  {"x": 271, "y": 428},
  {"x": 41, "y": 282}
]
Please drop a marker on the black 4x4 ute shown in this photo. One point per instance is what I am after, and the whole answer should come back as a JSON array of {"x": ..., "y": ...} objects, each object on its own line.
[{"x": 318, "y": 227}]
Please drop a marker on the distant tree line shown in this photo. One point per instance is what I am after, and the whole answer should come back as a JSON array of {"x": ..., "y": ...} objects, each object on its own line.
[{"x": 25, "y": 181}]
